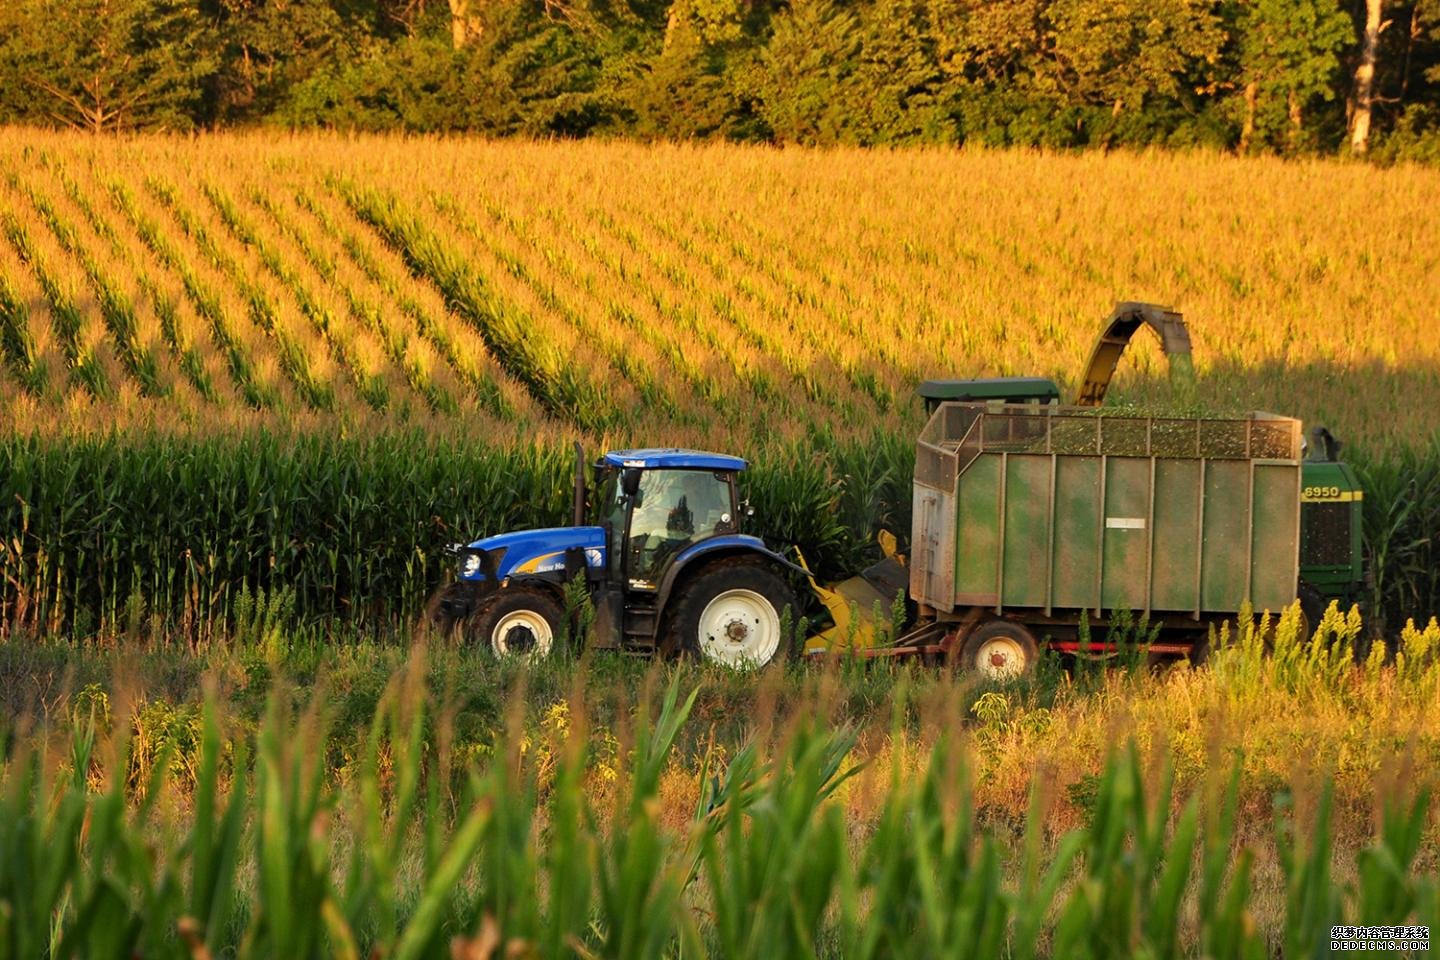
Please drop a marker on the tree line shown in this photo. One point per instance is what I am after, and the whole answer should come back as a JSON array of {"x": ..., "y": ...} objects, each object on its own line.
[{"x": 1283, "y": 76}]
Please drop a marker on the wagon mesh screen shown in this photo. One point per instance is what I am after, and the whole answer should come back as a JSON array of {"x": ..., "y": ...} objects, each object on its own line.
[{"x": 958, "y": 432}]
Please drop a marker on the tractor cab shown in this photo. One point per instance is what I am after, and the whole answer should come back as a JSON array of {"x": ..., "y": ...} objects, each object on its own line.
[{"x": 657, "y": 504}]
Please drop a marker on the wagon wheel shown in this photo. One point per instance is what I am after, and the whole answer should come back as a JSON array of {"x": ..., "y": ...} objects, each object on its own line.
[{"x": 1000, "y": 650}]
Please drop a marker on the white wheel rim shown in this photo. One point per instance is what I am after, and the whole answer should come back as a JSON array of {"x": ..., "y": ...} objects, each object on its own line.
[
  {"x": 1000, "y": 658},
  {"x": 505, "y": 641},
  {"x": 739, "y": 628}
]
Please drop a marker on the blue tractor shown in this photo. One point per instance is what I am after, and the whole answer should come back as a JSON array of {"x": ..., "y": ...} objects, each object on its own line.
[{"x": 657, "y": 541}]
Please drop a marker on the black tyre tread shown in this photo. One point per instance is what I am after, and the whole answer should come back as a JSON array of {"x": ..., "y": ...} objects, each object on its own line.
[
  {"x": 671, "y": 643},
  {"x": 481, "y": 622},
  {"x": 436, "y": 621},
  {"x": 1312, "y": 609}
]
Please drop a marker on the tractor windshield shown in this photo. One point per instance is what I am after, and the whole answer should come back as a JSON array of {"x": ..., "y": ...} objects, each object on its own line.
[{"x": 673, "y": 509}]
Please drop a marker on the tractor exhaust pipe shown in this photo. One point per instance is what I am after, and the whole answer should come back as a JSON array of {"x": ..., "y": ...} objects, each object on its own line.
[{"x": 578, "y": 515}]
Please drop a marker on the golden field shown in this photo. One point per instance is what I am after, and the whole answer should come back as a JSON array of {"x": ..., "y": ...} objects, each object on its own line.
[{"x": 688, "y": 293}]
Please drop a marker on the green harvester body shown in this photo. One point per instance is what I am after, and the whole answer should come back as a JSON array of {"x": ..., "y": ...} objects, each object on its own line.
[{"x": 1332, "y": 558}]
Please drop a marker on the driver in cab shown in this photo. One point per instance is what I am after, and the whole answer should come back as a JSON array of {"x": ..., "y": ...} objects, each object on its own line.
[{"x": 664, "y": 519}]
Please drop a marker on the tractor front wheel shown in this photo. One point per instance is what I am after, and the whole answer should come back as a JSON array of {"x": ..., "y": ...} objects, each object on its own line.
[
  {"x": 519, "y": 622},
  {"x": 732, "y": 613},
  {"x": 447, "y": 609}
]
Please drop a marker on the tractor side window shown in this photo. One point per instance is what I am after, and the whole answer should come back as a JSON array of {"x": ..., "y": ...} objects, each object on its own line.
[
  {"x": 607, "y": 507},
  {"x": 607, "y": 504},
  {"x": 673, "y": 509}
]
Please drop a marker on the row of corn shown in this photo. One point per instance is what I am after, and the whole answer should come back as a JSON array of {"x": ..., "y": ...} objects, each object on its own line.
[
  {"x": 103, "y": 530},
  {"x": 107, "y": 532}
]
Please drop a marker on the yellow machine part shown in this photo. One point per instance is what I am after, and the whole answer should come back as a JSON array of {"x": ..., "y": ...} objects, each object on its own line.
[
  {"x": 1119, "y": 327},
  {"x": 852, "y": 605}
]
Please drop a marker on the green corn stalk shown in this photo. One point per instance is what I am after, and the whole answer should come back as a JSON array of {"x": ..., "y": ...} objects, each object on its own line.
[
  {"x": 18, "y": 345},
  {"x": 371, "y": 389},
  {"x": 638, "y": 894},
  {"x": 248, "y": 873},
  {"x": 187, "y": 357},
  {"x": 317, "y": 394},
  {"x": 657, "y": 397},
  {"x": 364, "y": 312},
  {"x": 772, "y": 864},
  {"x": 1313, "y": 901},
  {"x": 115, "y": 306},
  {"x": 488, "y": 393}
]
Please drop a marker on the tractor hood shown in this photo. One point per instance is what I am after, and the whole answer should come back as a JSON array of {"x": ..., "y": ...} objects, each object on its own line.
[{"x": 530, "y": 552}]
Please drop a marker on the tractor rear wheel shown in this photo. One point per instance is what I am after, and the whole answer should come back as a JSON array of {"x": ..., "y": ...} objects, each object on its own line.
[
  {"x": 520, "y": 622},
  {"x": 732, "y": 613},
  {"x": 1000, "y": 650}
]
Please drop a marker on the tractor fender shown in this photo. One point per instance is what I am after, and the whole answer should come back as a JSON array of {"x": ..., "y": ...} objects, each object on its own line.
[
  {"x": 575, "y": 565},
  {"x": 732, "y": 545},
  {"x": 463, "y": 597}
]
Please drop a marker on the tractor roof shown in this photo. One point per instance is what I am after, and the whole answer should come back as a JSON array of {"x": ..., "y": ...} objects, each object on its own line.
[
  {"x": 1012, "y": 389},
  {"x": 662, "y": 458}
]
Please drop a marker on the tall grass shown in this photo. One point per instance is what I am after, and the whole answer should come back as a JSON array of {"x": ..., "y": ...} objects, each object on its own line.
[{"x": 128, "y": 833}]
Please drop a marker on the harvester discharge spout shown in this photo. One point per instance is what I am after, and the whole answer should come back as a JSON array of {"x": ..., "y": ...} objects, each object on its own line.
[{"x": 1120, "y": 326}]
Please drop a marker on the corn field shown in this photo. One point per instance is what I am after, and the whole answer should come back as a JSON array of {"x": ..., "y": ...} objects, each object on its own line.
[
  {"x": 256, "y": 383},
  {"x": 709, "y": 294},
  {"x": 424, "y": 325}
]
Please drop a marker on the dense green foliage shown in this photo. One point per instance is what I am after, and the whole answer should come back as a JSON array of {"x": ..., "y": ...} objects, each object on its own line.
[
  {"x": 110, "y": 531},
  {"x": 1253, "y": 74},
  {"x": 126, "y": 531},
  {"x": 302, "y": 837}
]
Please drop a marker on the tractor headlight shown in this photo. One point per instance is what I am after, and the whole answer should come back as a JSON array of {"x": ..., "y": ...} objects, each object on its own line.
[{"x": 469, "y": 564}]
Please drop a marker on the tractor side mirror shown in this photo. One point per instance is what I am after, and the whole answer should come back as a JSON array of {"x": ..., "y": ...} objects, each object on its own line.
[{"x": 630, "y": 482}]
